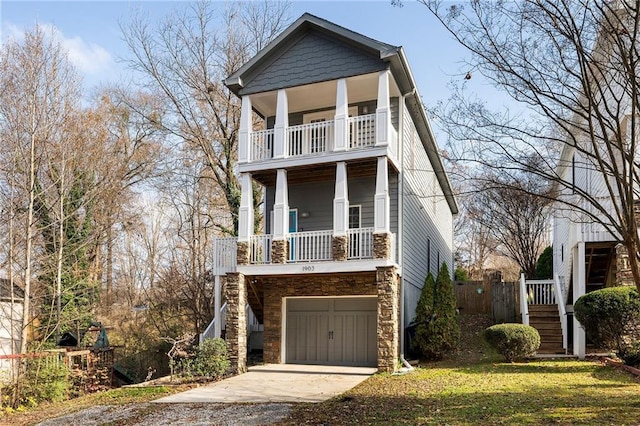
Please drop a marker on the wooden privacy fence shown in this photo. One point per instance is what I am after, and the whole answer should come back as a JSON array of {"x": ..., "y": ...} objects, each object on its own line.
[{"x": 490, "y": 297}]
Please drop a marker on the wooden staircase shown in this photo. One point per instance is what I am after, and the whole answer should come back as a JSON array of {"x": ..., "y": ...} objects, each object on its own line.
[
  {"x": 255, "y": 297},
  {"x": 546, "y": 319}
]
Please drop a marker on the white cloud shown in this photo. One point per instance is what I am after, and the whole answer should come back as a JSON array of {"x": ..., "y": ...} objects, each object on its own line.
[{"x": 89, "y": 58}]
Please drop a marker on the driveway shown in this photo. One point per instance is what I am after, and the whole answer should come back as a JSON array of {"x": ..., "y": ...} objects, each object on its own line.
[{"x": 277, "y": 383}]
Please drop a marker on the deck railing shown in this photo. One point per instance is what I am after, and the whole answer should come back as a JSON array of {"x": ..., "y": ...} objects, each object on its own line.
[
  {"x": 261, "y": 145},
  {"x": 260, "y": 249},
  {"x": 225, "y": 255},
  {"x": 541, "y": 292},
  {"x": 311, "y": 138},
  {"x": 310, "y": 246},
  {"x": 562, "y": 310},
  {"x": 362, "y": 131},
  {"x": 360, "y": 243}
]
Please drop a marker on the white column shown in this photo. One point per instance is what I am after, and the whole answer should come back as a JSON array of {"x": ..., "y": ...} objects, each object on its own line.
[
  {"x": 217, "y": 306},
  {"x": 341, "y": 201},
  {"x": 281, "y": 206},
  {"x": 579, "y": 289},
  {"x": 341, "y": 139},
  {"x": 381, "y": 209},
  {"x": 383, "y": 111},
  {"x": 281, "y": 126},
  {"x": 245, "y": 215},
  {"x": 246, "y": 125}
]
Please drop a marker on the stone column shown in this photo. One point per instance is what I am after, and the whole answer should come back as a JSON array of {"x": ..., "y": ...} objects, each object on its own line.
[
  {"x": 279, "y": 251},
  {"x": 624, "y": 276},
  {"x": 382, "y": 246},
  {"x": 242, "y": 253},
  {"x": 388, "y": 318},
  {"x": 236, "y": 333},
  {"x": 340, "y": 247}
]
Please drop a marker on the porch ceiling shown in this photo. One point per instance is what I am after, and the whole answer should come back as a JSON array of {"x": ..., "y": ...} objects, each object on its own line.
[
  {"x": 317, "y": 172},
  {"x": 322, "y": 95}
]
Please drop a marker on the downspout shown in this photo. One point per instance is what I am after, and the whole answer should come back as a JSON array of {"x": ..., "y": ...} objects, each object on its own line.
[{"x": 399, "y": 251}]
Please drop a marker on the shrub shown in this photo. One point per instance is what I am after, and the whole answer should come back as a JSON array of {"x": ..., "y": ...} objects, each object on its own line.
[
  {"x": 611, "y": 318},
  {"x": 513, "y": 341},
  {"x": 211, "y": 359},
  {"x": 437, "y": 330}
]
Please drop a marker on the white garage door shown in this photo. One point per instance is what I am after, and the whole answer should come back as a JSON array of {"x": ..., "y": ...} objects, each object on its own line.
[{"x": 331, "y": 331}]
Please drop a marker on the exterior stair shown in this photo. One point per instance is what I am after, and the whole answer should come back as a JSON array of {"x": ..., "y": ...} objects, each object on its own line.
[{"x": 546, "y": 319}]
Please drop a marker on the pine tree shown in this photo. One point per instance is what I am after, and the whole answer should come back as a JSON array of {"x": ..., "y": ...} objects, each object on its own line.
[{"x": 437, "y": 330}]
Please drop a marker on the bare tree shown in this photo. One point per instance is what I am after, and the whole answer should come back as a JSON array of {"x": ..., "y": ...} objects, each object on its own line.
[
  {"x": 573, "y": 64},
  {"x": 185, "y": 60}
]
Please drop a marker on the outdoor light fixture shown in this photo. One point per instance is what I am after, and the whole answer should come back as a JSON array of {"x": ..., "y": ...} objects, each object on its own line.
[{"x": 305, "y": 214}]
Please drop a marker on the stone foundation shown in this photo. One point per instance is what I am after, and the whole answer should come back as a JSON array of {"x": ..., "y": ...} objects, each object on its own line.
[
  {"x": 340, "y": 247},
  {"x": 279, "y": 251},
  {"x": 242, "y": 253},
  {"x": 388, "y": 318},
  {"x": 276, "y": 288},
  {"x": 236, "y": 328},
  {"x": 382, "y": 246},
  {"x": 624, "y": 276}
]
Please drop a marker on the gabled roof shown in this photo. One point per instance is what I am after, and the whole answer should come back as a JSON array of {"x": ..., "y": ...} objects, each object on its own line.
[{"x": 389, "y": 56}]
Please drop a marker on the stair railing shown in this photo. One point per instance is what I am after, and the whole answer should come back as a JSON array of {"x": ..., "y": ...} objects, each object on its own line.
[
  {"x": 562, "y": 310},
  {"x": 524, "y": 306},
  {"x": 209, "y": 332}
]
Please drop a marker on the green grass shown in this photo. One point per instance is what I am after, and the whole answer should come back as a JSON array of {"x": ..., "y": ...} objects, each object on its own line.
[{"x": 543, "y": 392}]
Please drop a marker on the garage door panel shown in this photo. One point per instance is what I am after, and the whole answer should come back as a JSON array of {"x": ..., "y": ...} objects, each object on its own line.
[{"x": 334, "y": 336}]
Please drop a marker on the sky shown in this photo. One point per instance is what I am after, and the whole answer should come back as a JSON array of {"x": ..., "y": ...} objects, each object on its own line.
[{"x": 90, "y": 31}]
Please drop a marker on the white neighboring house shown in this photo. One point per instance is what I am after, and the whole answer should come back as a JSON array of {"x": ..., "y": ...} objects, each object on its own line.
[
  {"x": 10, "y": 326},
  {"x": 358, "y": 206}
]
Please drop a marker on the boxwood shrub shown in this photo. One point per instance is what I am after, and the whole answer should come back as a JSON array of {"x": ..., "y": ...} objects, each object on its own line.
[
  {"x": 611, "y": 318},
  {"x": 513, "y": 341}
]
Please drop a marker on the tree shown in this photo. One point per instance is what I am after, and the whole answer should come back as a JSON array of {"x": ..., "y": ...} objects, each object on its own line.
[
  {"x": 573, "y": 66},
  {"x": 513, "y": 210},
  {"x": 437, "y": 330},
  {"x": 185, "y": 60},
  {"x": 544, "y": 267}
]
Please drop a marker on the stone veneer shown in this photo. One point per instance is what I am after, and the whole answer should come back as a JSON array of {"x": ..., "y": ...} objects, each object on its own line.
[
  {"x": 340, "y": 247},
  {"x": 388, "y": 318},
  {"x": 624, "y": 276},
  {"x": 384, "y": 284},
  {"x": 242, "y": 253},
  {"x": 382, "y": 246},
  {"x": 279, "y": 251},
  {"x": 236, "y": 322}
]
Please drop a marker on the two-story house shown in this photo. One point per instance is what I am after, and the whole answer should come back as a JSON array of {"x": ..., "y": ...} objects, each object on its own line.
[{"x": 357, "y": 205}]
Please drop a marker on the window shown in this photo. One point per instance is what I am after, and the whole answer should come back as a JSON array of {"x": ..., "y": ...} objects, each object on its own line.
[{"x": 354, "y": 217}]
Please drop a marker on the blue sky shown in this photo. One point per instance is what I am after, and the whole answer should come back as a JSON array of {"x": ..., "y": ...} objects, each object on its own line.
[{"x": 90, "y": 31}]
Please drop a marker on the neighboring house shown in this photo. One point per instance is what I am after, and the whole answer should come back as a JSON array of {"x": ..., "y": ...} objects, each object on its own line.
[
  {"x": 10, "y": 326},
  {"x": 357, "y": 205}
]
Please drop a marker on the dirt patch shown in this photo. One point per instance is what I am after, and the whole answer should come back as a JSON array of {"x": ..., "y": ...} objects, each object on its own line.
[{"x": 172, "y": 414}]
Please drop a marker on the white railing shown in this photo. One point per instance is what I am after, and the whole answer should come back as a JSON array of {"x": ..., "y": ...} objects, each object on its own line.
[
  {"x": 261, "y": 145},
  {"x": 209, "y": 332},
  {"x": 524, "y": 306},
  {"x": 310, "y": 246},
  {"x": 540, "y": 292},
  {"x": 311, "y": 138},
  {"x": 260, "y": 249},
  {"x": 360, "y": 243},
  {"x": 224, "y": 255},
  {"x": 562, "y": 310},
  {"x": 362, "y": 131}
]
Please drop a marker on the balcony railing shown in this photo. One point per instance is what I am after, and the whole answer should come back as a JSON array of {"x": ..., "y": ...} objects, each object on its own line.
[
  {"x": 316, "y": 138},
  {"x": 362, "y": 131},
  {"x": 260, "y": 249},
  {"x": 224, "y": 257},
  {"x": 311, "y": 138},
  {"x": 360, "y": 243},
  {"x": 310, "y": 246}
]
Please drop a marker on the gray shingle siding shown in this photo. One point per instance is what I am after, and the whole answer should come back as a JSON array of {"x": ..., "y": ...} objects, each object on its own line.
[{"x": 312, "y": 59}]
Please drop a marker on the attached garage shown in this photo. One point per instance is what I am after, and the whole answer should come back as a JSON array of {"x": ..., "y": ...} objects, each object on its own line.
[{"x": 331, "y": 331}]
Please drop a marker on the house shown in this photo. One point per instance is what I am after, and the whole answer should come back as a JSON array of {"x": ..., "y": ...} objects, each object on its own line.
[
  {"x": 11, "y": 297},
  {"x": 357, "y": 204}
]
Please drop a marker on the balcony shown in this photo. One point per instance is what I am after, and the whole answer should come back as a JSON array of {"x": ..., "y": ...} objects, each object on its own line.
[
  {"x": 304, "y": 247},
  {"x": 316, "y": 138}
]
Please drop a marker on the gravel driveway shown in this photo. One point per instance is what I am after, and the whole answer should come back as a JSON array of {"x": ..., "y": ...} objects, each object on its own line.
[{"x": 151, "y": 413}]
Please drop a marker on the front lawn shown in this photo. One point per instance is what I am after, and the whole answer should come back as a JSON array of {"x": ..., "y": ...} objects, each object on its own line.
[{"x": 542, "y": 392}]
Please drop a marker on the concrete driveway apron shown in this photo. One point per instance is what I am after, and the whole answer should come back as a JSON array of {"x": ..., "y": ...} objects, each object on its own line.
[{"x": 277, "y": 383}]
